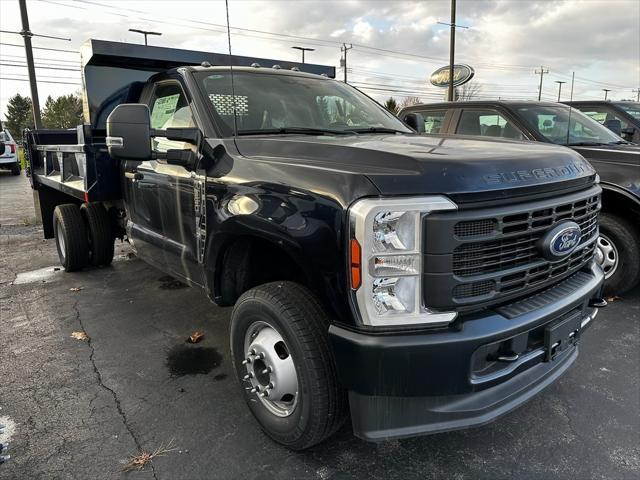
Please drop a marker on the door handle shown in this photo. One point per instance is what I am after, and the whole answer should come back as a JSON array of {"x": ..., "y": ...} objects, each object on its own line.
[{"x": 134, "y": 175}]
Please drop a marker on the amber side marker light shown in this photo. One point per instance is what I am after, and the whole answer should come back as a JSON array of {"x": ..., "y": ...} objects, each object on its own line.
[{"x": 356, "y": 276}]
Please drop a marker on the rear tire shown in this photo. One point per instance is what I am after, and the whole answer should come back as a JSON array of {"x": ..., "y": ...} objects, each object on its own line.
[
  {"x": 71, "y": 237},
  {"x": 619, "y": 254},
  {"x": 100, "y": 233},
  {"x": 292, "y": 313},
  {"x": 15, "y": 169}
]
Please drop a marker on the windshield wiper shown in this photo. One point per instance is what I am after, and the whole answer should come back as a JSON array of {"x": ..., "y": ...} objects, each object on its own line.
[
  {"x": 585, "y": 144},
  {"x": 619, "y": 142},
  {"x": 375, "y": 130},
  {"x": 294, "y": 130}
]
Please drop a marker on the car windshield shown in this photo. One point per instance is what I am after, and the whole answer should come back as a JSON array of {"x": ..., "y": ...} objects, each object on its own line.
[
  {"x": 283, "y": 104},
  {"x": 632, "y": 108},
  {"x": 553, "y": 123}
]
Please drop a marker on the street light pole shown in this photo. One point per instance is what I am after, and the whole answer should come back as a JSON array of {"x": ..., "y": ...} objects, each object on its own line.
[
  {"x": 145, "y": 33},
  {"x": 606, "y": 92},
  {"x": 304, "y": 49},
  {"x": 559, "y": 82}
]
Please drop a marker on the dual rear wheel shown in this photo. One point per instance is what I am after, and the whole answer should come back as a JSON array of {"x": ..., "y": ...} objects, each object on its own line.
[{"x": 84, "y": 235}]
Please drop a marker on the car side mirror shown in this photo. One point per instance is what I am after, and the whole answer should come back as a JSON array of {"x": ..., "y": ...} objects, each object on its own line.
[
  {"x": 614, "y": 125},
  {"x": 627, "y": 133},
  {"x": 129, "y": 132},
  {"x": 415, "y": 121}
]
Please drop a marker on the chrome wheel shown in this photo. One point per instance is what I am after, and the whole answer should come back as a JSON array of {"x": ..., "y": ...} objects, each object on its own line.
[
  {"x": 60, "y": 239},
  {"x": 270, "y": 369},
  {"x": 607, "y": 255}
]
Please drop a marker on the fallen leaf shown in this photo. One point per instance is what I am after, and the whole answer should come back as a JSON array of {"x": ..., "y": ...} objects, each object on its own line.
[
  {"x": 613, "y": 298},
  {"x": 80, "y": 335},
  {"x": 196, "y": 336},
  {"x": 138, "y": 462},
  {"x": 75, "y": 289}
]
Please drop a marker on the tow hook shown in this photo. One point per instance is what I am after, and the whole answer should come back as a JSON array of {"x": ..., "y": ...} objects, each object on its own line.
[{"x": 598, "y": 302}]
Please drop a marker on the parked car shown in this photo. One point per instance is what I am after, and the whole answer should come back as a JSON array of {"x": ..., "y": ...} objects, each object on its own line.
[
  {"x": 616, "y": 161},
  {"x": 622, "y": 118},
  {"x": 9, "y": 157},
  {"x": 406, "y": 278}
]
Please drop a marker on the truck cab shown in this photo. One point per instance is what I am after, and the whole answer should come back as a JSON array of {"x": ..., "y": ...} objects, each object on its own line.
[
  {"x": 421, "y": 284},
  {"x": 616, "y": 160}
]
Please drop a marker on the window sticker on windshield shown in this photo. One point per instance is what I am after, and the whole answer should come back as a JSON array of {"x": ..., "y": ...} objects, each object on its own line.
[
  {"x": 163, "y": 109},
  {"x": 224, "y": 104}
]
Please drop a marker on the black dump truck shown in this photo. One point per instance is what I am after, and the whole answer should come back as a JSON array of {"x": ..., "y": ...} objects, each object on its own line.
[
  {"x": 421, "y": 284},
  {"x": 616, "y": 161}
]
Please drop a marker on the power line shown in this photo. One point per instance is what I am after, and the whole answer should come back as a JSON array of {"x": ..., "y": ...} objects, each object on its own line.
[
  {"x": 40, "y": 81},
  {"x": 40, "y": 48},
  {"x": 45, "y": 68}
]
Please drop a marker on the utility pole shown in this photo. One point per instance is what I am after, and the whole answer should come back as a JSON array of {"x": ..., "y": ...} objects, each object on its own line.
[
  {"x": 541, "y": 72},
  {"x": 559, "y": 82},
  {"x": 26, "y": 34},
  {"x": 637, "y": 92},
  {"x": 606, "y": 92},
  {"x": 304, "y": 49},
  {"x": 145, "y": 33},
  {"x": 343, "y": 61}
]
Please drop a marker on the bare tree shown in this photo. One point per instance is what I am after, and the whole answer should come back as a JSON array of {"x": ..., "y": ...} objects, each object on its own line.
[
  {"x": 410, "y": 101},
  {"x": 468, "y": 91}
]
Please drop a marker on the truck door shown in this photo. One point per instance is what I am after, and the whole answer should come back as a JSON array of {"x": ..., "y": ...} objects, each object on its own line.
[
  {"x": 168, "y": 224},
  {"x": 169, "y": 107}
]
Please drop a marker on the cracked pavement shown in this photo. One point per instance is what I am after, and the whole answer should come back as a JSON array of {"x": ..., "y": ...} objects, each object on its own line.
[{"x": 81, "y": 408}]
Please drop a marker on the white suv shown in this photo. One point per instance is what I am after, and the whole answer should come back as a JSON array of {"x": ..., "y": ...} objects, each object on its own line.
[{"x": 9, "y": 158}]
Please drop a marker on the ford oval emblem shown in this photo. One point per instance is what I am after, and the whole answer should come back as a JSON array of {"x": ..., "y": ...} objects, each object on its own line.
[{"x": 560, "y": 241}]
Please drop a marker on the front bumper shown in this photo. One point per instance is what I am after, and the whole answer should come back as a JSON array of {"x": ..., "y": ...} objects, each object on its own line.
[{"x": 417, "y": 383}]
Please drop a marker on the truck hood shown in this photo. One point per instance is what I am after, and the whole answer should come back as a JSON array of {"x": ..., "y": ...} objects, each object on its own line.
[
  {"x": 419, "y": 165},
  {"x": 611, "y": 153}
]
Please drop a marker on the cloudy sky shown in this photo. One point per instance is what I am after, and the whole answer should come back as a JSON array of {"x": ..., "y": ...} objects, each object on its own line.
[{"x": 396, "y": 45}]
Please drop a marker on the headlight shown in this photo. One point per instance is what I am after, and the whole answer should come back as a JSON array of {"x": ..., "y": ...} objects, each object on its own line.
[{"x": 386, "y": 260}]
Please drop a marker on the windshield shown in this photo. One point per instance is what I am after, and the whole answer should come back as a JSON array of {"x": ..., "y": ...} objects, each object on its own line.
[
  {"x": 267, "y": 103},
  {"x": 632, "y": 109},
  {"x": 553, "y": 124}
]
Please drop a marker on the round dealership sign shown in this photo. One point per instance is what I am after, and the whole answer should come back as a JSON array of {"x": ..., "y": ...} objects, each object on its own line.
[{"x": 461, "y": 74}]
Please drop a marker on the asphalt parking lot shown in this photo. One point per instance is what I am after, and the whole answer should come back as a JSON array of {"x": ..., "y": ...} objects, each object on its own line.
[{"x": 76, "y": 408}]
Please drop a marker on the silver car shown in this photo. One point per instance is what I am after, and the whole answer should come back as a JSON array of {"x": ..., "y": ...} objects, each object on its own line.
[{"x": 9, "y": 157}]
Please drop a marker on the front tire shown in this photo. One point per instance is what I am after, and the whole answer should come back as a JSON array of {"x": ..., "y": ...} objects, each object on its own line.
[
  {"x": 618, "y": 253},
  {"x": 71, "y": 237},
  {"x": 281, "y": 355}
]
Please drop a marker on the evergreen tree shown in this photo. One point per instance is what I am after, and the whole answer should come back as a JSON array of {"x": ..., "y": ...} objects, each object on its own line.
[
  {"x": 19, "y": 115},
  {"x": 63, "y": 112},
  {"x": 391, "y": 105}
]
